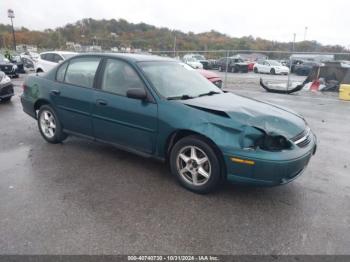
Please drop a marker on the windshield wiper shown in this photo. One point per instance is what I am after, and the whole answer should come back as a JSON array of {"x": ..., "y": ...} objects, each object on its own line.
[
  {"x": 210, "y": 93},
  {"x": 183, "y": 97}
]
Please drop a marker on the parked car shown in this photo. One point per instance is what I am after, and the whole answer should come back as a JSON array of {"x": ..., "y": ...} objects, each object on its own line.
[
  {"x": 271, "y": 67},
  {"x": 234, "y": 65},
  {"x": 49, "y": 60},
  {"x": 16, "y": 60},
  {"x": 210, "y": 75},
  {"x": 213, "y": 64},
  {"x": 304, "y": 69},
  {"x": 193, "y": 63},
  {"x": 6, "y": 88},
  {"x": 157, "y": 108},
  {"x": 250, "y": 65},
  {"x": 7, "y": 67},
  {"x": 199, "y": 58}
]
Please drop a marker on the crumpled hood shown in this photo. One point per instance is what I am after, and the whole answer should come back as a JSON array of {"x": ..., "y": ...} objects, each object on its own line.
[{"x": 272, "y": 119}]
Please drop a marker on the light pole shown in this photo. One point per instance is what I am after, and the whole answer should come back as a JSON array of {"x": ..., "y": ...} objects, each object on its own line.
[
  {"x": 290, "y": 62},
  {"x": 11, "y": 15}
]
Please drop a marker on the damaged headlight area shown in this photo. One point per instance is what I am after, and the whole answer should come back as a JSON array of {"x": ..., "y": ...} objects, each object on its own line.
[{"x": 254, "y": 138}]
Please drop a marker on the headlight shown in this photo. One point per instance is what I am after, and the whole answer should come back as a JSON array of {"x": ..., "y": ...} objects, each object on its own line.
[
  {"x": 4, "y": 78},
  {"x": 273, "y": 143},
  {"x": 254, "y": 138}
]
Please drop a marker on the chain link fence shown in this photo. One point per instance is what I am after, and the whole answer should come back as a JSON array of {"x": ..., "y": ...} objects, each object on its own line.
[{"x": 231, "y": 65}]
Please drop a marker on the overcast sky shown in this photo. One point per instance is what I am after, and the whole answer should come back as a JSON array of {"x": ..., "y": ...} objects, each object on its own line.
[{"x": 327, "y": 21}]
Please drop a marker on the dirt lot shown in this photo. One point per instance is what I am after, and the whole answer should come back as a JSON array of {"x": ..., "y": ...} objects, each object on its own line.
[{"x": 82, "y": 197}]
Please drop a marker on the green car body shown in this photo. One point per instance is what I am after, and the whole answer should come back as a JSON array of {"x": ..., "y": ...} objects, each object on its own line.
[{"x": 240, "y": 129}]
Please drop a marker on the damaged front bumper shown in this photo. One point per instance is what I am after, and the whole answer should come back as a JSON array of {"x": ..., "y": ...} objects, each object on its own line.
[{"x": 276, "y": 169}]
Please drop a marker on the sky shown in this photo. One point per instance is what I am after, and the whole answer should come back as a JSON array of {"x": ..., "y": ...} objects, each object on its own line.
[{"x": 327, "y": 21}]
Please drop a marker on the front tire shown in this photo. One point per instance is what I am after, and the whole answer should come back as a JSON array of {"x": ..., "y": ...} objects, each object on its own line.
[
  {"x": 195, "y": 164},
  {"x": 256, "y": 70},
  {"x": 273, "y": 72},
  {"x": 49, "y": 125}
]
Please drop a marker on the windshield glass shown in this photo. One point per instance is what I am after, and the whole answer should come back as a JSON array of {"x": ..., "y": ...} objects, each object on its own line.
[
  {"x": 274, "y": 63},
  {"x": 199, "y": 57},
  {"x": 171, "y": 79}
]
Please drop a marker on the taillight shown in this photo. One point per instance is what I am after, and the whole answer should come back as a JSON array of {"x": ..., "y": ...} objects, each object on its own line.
[{"x": 24, "y": 87}]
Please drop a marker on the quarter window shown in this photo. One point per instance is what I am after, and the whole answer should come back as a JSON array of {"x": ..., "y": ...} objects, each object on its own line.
[
  {"x": 81, "y": 71},
  {"x": 118, "y": 77}
]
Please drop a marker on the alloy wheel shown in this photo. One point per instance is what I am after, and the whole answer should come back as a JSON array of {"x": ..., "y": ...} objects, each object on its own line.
[
  {"x": 193, "y": 165},
  {"x": 47, "y": 124}
]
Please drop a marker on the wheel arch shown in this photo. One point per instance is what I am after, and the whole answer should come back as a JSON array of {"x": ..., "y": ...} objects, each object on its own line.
[
  {"x": 39, "y": 103},
  {"x": 175, "y": 136}
]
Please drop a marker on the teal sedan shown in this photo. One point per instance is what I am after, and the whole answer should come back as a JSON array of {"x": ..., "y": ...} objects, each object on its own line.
[{"x": 155, "y": 107}]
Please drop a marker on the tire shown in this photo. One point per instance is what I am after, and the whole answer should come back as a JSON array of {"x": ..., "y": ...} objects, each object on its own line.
[
  {"x": 256, "y": 70},
  {"x": 272, "y": 71},
  {"x": 6, "y": 100},
  {"x": 39, "y": 70},
  {"x": 49, "y": 125},
  {"x": 183, "y": 158}
]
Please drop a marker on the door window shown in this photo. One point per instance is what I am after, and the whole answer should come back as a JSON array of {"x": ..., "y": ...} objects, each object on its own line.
[
  {"x": 118, "y": 77},
  {"x": 81, "y": 71}
]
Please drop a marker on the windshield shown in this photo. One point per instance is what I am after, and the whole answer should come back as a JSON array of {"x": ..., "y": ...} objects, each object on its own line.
[
  {"x": 274, "y": 63},
  {"x": 199, "y": 57},
  {"x": 171, "y": 79}
]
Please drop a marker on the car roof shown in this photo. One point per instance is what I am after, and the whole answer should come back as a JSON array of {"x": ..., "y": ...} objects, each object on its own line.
[
  {"x": 59, "y": 52},
  {"x": 132, "y": 57}
]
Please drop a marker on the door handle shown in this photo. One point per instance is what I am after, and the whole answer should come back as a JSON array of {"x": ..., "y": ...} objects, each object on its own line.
[
  {"x": 55, "y": 92},
  {"x": 101, "y": 102}
]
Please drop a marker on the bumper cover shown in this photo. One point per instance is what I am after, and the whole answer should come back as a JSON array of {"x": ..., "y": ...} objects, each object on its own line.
[
  {"x": 6, "y": 91},
  {"x": 269, "y": 172}
]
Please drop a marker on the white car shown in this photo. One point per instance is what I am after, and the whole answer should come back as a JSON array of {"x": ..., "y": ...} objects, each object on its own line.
[
  {"x": 270, "y": 67},
  {"x": 49, "y": 60},
  {"x": 193, "y": 62}
]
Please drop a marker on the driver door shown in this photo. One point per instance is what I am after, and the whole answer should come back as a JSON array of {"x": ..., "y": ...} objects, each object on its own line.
[{"x": 121, "y": 120}]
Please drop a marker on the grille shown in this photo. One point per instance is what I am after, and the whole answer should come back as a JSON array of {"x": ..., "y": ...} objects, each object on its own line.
[{"x": 302, "y": 139}]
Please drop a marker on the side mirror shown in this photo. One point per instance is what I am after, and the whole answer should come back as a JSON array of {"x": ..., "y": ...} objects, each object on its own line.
[{"x": 137, "y": 93}]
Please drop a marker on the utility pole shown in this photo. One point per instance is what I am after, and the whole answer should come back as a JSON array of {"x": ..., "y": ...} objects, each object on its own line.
[
  {"x": 11, "y": 15},
  {"x": 174, "y": 46},
  {"x": 291, "y": 62}
]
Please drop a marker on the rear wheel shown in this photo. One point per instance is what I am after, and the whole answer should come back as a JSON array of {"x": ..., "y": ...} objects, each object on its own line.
[
  {"x": 50, "y": 126},
  {"x": 195, "y": 164},
  {"x": 273, "y": 72},
  {"x": 256, "y": 70}
]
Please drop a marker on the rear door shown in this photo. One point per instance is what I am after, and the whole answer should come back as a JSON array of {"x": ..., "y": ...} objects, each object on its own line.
[
  {"x": 74, "y": 94},
  {"x": 119, "y": 119}
]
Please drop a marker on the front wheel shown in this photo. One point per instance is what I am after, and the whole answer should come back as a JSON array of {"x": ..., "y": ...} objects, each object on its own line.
[
  {"x": 256, "y": 70},
  {"x": 195, "y": 164},
  {"x": 273, "y": 72},
  {"x": 50, "y": 126}
]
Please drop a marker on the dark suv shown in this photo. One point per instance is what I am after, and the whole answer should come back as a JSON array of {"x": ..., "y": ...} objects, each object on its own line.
[{"x": 234, "y": 65}]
